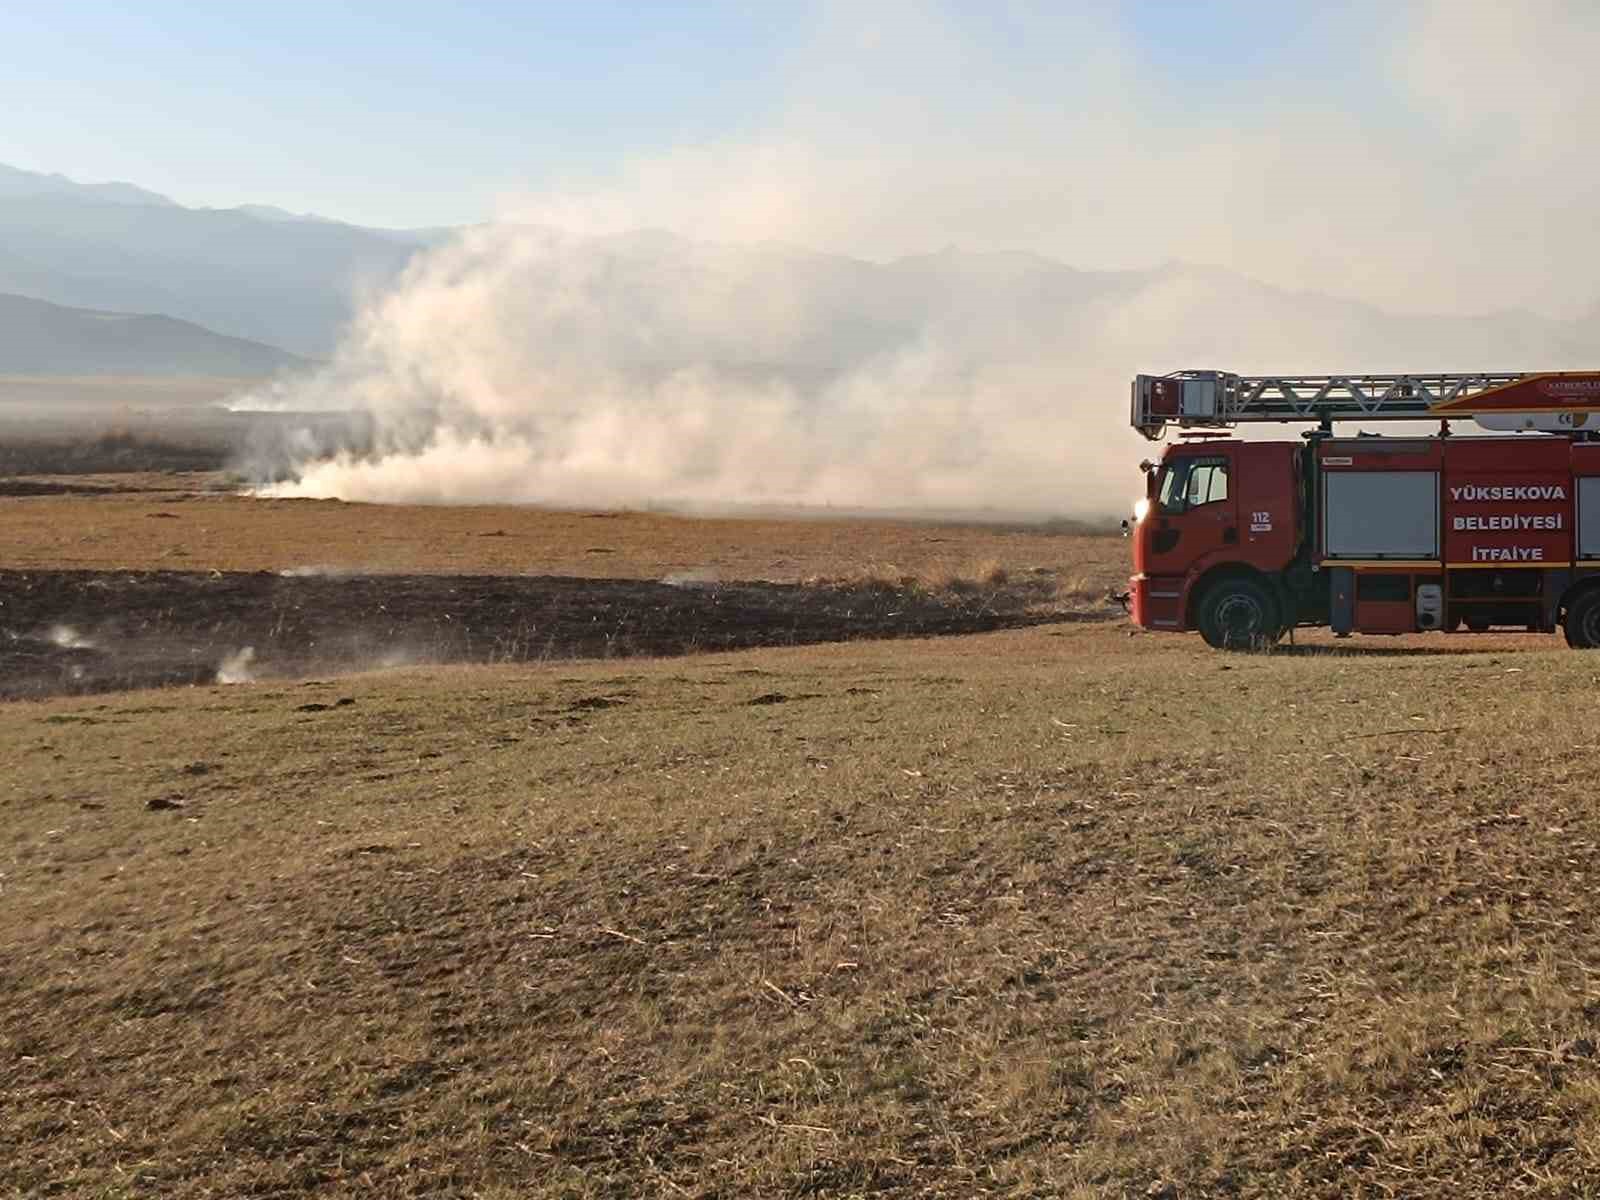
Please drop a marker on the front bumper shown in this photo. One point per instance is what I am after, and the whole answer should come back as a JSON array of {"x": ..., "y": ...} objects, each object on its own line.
[{"x": 1156, "y": 602}]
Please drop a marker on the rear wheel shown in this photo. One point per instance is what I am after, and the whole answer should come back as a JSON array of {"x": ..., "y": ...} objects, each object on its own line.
[
  {"x": 1582, "y": 625},
  {"x": 1239, "y": 614}
]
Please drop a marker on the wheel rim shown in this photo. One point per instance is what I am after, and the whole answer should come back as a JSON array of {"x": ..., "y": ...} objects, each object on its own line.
[
  {"x": 1589, "y": 625},
  {"x": 1240, "y": 618}
]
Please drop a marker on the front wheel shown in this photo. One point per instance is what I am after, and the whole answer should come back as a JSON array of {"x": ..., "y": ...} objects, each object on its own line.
[
  {"x": 1239, "y": 614},
  {"x": 1582, "y": 625}
]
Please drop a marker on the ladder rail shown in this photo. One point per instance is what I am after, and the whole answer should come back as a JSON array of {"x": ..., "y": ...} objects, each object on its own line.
[
  {"x": 1401, "y": 396},
  {"x": 1220, "y": 399}
]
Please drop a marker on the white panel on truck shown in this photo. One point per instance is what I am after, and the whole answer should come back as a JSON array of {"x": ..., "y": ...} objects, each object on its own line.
[
  {"x": 1380, "y": 514},
  {"x": 1589, "y": 517}
]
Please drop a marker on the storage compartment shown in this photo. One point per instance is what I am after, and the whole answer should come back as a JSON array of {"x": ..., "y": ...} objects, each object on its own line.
[
  {"x": 1385, "y": 616},
  {"x": 1588, "y": 517},
  {"x": 1384, "y": 602},
  {"x": 1380, "y": 514},
  {"x": 1485, "y": 599},
  {"x": 1380, "y": 588}
]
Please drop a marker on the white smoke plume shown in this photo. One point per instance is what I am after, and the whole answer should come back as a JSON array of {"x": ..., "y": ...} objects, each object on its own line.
[
  {"x": 235, "y": 668},
  {"x": 645, "y": 369},
  {"x": 68, "y": 638},
  {"x": 713, "y": 366}
]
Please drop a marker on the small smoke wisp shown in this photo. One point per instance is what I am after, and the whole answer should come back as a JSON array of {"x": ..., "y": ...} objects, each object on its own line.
[
  {"x": 316, "y": 572},
  {"x": 68, "y": 638},
  {"x": 235, "y": 668},
  {"x": 698, "y": 577}
]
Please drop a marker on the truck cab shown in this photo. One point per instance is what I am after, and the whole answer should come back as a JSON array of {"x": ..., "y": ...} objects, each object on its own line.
[{"x": 1219, "y": 525}]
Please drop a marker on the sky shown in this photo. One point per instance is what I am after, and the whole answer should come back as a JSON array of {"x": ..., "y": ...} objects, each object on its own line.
[
  {"x": 1430, "y": 155},
  {"x": 383, "y": 114},
  {"x": 431, "y": 114}
]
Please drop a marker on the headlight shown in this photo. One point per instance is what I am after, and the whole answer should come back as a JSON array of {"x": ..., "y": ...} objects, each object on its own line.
[{"x": 1141, "y": 506}]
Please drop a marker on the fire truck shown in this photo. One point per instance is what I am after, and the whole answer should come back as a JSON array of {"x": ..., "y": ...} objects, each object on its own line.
[{"x": 1245, "y": 540}]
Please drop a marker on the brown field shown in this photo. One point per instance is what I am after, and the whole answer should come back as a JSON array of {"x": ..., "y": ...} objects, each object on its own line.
[
  {"x": 1047, "y": 911},
  {"x": 130, "y": 586},
  {"x": 196, "y": 529},
  {"x": 130, "y": 430},
  {"x": 114, "y": 394}
]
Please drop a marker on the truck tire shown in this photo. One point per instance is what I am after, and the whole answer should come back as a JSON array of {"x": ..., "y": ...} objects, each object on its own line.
[
  {"x": 1582, "y": 625},
  {"x": 1239, "y": 614}
]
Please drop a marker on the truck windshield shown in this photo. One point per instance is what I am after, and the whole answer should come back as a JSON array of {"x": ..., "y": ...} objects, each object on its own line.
[{"x": 1191, "y": 482}]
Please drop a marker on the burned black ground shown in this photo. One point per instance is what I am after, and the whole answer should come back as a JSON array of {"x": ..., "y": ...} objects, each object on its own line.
[{"x": 72, "y": 632}]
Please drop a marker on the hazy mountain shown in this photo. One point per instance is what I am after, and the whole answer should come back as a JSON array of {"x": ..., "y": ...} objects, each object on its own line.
[
  {"x": 271, "y": 212},
  {"x": 430, "y": 236},
  {"x": 291, "y": 282},
  {"x": 294, "y": 280},
  {"x": 15, "y": 182},
  {"x": 38, "y": 338}
]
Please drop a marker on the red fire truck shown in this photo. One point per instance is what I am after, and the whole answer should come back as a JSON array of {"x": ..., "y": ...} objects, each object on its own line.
[{"x": 1244, "y": 540}]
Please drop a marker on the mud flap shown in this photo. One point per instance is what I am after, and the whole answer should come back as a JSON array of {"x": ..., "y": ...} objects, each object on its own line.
[{"x": 1555, "y": 587}]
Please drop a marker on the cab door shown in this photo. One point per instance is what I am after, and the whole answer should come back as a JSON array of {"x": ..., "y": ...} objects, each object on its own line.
[{"x": 1195, "y": 516}]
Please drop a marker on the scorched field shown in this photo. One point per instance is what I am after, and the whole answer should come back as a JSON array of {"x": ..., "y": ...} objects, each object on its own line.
[{"x": 615, "y": 854}]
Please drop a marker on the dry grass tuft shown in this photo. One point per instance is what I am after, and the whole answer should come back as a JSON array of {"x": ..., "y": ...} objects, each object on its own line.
[
  {"x": 988, "y": 586},
  {"x": 1079, "y": 587},
  {"x": 882, "y": 577},
  {"x": 991, "y": 573}
]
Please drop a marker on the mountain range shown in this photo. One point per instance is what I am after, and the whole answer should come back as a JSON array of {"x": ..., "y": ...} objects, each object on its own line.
[
  {"x": 253, "y": 273},
  {"x": 133, "y": 281},
  {"x": 39, "y": 338}
]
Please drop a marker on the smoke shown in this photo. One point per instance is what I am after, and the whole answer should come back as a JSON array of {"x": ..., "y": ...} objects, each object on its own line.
[
  {"x": 235, "y": 668},
  {"x": 560, "y": 356},
  {"x": 68, "y": 638},
  {"x": 697, "y": 577},
  {"x": 522, "y": 365},
  {"x": 316, "y": 572}
]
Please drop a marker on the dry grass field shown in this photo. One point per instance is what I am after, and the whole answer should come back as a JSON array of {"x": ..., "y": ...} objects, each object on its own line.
[
  {"x": 108, "y": 584},
  {"x": 192, "y": 528},
  {"x": 1048, "y": 911},
  {"x": 115, "y": 394},
  {"x": 113, "y": 423}
]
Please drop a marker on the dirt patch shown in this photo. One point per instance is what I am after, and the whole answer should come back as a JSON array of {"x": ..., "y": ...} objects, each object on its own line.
[
  {"x": 111, "y": 530},
  {"x": 69, "y": 632}
]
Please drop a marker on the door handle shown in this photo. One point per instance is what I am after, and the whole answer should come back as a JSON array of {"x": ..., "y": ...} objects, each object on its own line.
[{"x": 1230, "y": 535}]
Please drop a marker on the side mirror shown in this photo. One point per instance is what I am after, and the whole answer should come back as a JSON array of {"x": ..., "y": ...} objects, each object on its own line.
[{"x": 1126, "y": 528}]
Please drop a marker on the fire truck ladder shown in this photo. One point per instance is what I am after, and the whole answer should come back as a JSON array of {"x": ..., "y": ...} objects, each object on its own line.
[{"x": 1217, "y": 399}]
